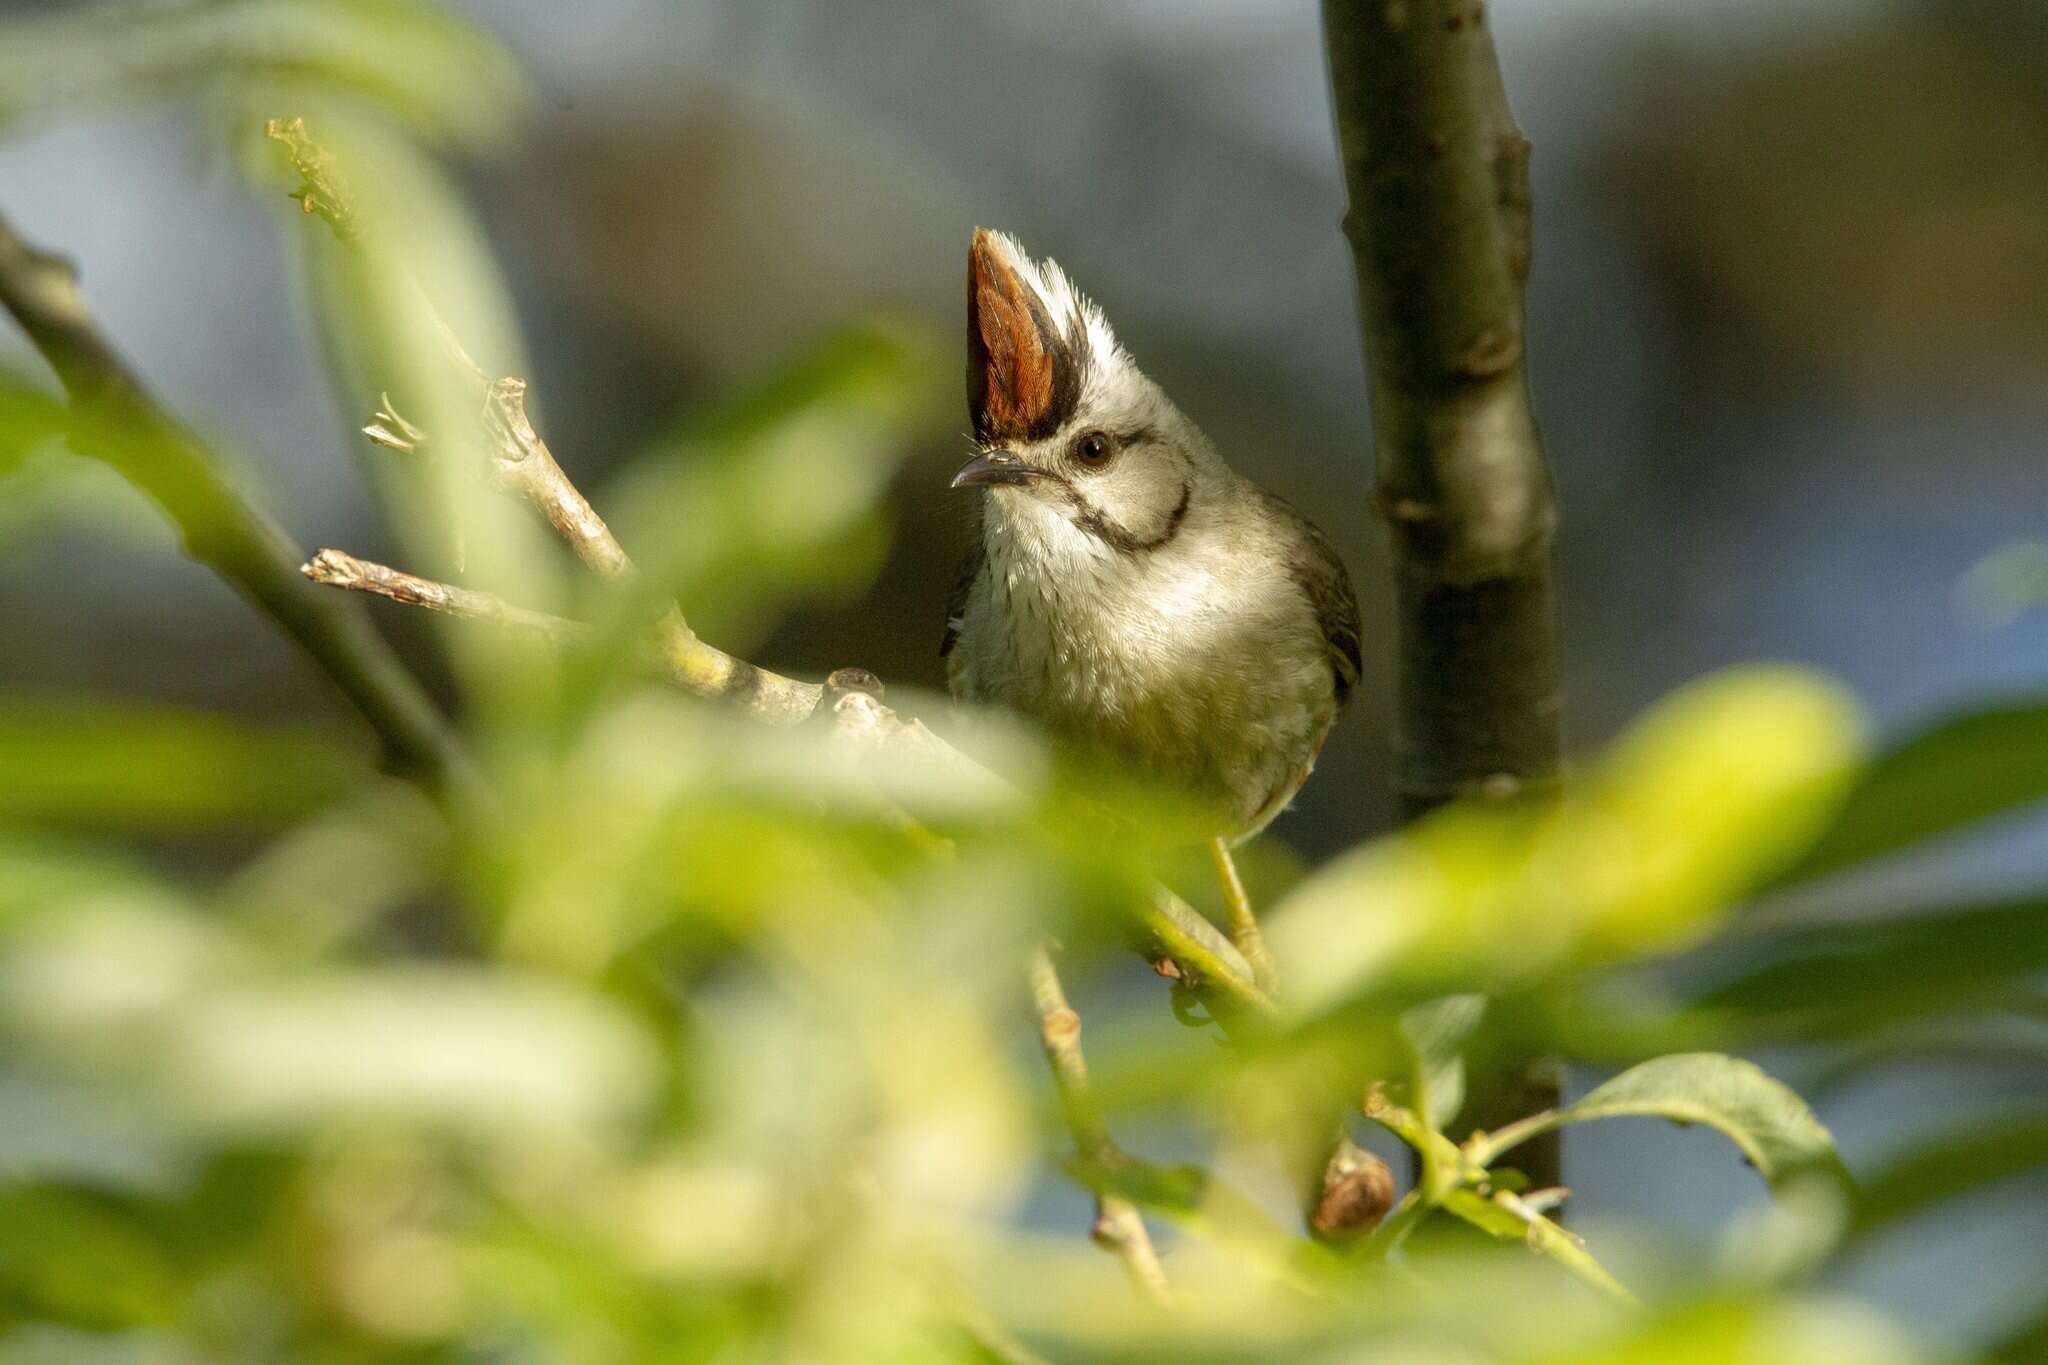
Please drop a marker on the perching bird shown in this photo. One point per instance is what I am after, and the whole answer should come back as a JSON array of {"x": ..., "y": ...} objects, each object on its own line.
[{"x": 1127, "y": 589}]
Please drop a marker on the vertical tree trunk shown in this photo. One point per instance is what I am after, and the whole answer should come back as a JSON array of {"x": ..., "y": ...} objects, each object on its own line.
[{"x": 1438, "y": 180}]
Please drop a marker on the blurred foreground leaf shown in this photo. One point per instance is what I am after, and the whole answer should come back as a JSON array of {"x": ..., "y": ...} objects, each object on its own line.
[
  {"x": 146, "y": 766},
  {"x": 76, "y": 1258},
  {"x": 490, "y": 1053},
  {"x": 1841, "y": 978},
  {"x": 1964, "y": 1160},
  {"x": 1972, "y": 768},
  {"x": 444, "y": 75},
  {"x": 1710, "y": 792}
]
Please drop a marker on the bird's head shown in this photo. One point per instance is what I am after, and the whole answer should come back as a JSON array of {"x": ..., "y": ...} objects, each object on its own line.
[{"x": 1077, "y": 447}]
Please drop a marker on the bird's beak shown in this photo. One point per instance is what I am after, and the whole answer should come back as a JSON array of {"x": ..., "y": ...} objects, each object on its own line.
[{"x": 995, "y": 469}]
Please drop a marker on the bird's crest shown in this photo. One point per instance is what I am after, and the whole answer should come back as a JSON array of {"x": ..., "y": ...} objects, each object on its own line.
[{"x": 1033, "y": 342}]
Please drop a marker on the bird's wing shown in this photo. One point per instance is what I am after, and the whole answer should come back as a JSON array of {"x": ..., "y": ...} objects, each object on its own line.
[
  {"x": 1314, "y": 565},
  {"x": 956, "y": 597}
]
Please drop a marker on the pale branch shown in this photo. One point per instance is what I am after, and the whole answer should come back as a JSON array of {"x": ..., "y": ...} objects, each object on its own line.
[
  {"x": 1437, "y": 175},
  {"x": 338, "y": 569},
  {"x": 1118, "y": 1226},
  {"x": 116, "y": 420}
]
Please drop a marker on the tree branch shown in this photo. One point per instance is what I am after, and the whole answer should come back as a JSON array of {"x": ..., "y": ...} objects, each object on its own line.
[
  {"x": 1118, "y": 1226},
  {"x": 1438, "y": 180},
  {"x": 117, "y": 421}
]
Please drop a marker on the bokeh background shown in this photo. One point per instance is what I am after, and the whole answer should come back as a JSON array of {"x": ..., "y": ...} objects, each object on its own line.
[{"x": 1789, "y": 332}]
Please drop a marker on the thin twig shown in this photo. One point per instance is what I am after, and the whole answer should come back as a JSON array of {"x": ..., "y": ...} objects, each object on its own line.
[
  {"x": 338, "y": 569},
  {"x": 1118, "y": 1226},
  {"x": 118, "y": 421}
]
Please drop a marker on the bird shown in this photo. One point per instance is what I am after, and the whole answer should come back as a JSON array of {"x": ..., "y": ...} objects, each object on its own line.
[{"x": 1124, "y": 588}]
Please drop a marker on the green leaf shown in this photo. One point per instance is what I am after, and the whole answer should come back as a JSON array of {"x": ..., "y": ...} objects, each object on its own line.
[
  {"x": 79, "y": 1259},
  {"x": 29, "y": 419},
  {"x": 1942, "y": 1167},
  {"x": 1828, "y": 979},
  {"x": 1436, "y": 1034},
  {"x": 145, "y": 766},
  {"x": 443, "y": 75},
  {"x": 1960, "y": 772},
  {"x": 1500, "y": 1218},
  {"x": 38, "y": 871},
  {"x": 487, "y": 1052},
  {"x": 1772, "y": 1126},
  {"x": 1708, "y": 794}
]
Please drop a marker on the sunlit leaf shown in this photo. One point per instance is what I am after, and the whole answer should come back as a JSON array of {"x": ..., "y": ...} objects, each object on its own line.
[
  {"x": 1973, "y": 768},
  {"x": 1768, "y": 1123},
  {"x": 445, "y": 76},
  {"x": 492, "y": 1053},
  {"x": 142, "y": 765},
  {"x": 40, "y": 870},
  {"x": 1705, "y": 796},
  {"x": 1763, "y": 1331},
  {"x": 1715, "y": 789}
]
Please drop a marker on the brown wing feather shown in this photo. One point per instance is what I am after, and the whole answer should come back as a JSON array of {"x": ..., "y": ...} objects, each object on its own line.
[{"x": 1316, "y": 568}]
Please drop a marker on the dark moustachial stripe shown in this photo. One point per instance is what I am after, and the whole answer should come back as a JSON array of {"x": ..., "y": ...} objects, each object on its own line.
[{"x": 1119, "y": 537}]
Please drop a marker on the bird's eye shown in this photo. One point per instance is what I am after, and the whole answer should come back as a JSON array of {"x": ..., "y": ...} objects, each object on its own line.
[{"x": 1093, "y": 449}]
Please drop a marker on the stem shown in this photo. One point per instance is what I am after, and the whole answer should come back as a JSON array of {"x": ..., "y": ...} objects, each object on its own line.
[
  {"x": 1118, "y": 1226},
  {"x": 118, "y": 422},
  {"x": 1438, "y": 181}
]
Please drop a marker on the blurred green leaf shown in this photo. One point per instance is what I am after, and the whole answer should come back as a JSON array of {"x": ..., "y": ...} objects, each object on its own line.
[
  {"x": 1436, "y": 1034},
  {"x": 1499, "y": 1218},
  {"x": 1706, "y": 795},
  {"x": 493, "y": 1053},
  {"x": 1971, "y": 768},
  {"x": 2026, "y": 1344},
  {"x": 76, "y": 1258},
  {"x": 2008, "y": 582},
  {"x": 1845, "y": 977},
  {"x": 444, "y": 75},
  {"x": 146, "y": 766},
  {"x": 1759, "y": 1331},
  {"x": 1771, "y": 1125},
  {"x": 1716, "y": 788},
  {"x": 1961, "y": 1161},
  {"x": 40, "y": 870},
  {"x": 780, "y": 493},
  {"x": 29, "y": 420}
]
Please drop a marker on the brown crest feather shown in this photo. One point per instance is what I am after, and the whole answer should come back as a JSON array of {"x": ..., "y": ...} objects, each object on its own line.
[{"x": 1023, "y": 378}]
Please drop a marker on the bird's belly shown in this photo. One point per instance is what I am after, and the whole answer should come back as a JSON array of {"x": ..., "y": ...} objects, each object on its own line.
[{"x": 1223, "y": 707}]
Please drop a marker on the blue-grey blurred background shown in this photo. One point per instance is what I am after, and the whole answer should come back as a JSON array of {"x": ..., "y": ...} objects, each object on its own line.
[{"x": 1789, "y": 330}]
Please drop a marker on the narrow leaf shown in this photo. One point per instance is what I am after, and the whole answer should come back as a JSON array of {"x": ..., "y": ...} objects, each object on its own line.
[
  {"x": 133, "y": 765},
  {"x": 1955, "y": 1163},
  {"x": 1960, "y": 772}
]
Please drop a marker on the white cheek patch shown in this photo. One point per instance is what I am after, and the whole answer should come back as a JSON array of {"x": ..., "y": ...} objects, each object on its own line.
[{"x": 1046, "y": 534}]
